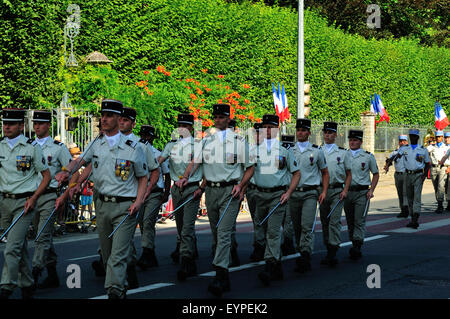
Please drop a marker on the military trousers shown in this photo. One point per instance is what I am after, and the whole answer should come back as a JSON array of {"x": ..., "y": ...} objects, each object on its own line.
[
  {"x": 217, "y": 199},
  {"x": 400, "y": 185},
  {"x": 44, "y": 251},
  {"x": 331, "y": 226},
  {"x": 147, "y": 219},
  {"x": 258, "y": 232},
  {"x": 288, "y": 228},
  {"x": 185, "y": 218},
  {"x": 354, "y": 207},
  {"x": 16, "y": 271},
  {"x": 272, "y": 226},
  {"x": 438, "y": 177},
  {"x": 414, "y": 184},
  {"x": 303, "y": 206},
  {"x": 115, "y": 251}
]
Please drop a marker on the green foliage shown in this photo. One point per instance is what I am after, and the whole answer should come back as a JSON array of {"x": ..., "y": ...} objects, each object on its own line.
[{"x": 247, "y": 43}]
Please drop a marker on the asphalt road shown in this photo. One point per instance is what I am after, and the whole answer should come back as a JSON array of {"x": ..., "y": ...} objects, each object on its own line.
[{"x": 412, "y": 264}]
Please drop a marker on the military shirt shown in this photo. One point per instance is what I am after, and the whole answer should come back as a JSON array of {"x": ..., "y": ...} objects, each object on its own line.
[
  {"x": 338, "y": 162},
  {"x": 414, "y": 159},
  {"x": 163, "y": 169},
  {"x": 151, "y": 161},
  {"x": 437, "y": 153},
  {"x": 224, "y": 158},
  {"x": 20, "y": 166},
  {"x": 275, "y": 167},
  {"x": 362, "y": 164},
  {"x": 114, "y": 168},
  {"x": 311, "y": 161},
  {"x": 179, "y": 154},
  {"x": 57, "y": 155}
]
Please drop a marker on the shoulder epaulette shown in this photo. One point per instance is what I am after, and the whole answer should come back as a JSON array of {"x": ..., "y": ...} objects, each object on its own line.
[
  {"x": 58, "y": 143},
  {"x": 315, "y": 146},
  {"x": 31, "y": 141},
  {"x": 368, "y": 152},
  {"x": 341, "y": 148},
  {"x": 143, "y": 141},
  {"x": 131, "y": 144}
]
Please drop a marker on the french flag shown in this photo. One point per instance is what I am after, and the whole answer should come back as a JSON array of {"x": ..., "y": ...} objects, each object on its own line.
[
  {"x": 277, "y": 102},
  {"x": 286, "y": 114},
  {"x": 384, "y": 116},
  {"x": 441, "y": 120}
]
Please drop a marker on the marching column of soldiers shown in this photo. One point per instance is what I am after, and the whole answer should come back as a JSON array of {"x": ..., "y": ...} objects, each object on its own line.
[{"x": 288, "y": 185}]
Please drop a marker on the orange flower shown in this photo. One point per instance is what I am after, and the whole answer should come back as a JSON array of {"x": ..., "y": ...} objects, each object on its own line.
[
  {"x": 246, "y": 101},
  {"x": 204, "y": 70},
  {"x": 193, "y": 96},
  {"x": 246, "y": 86},
  {"x": 160, "y": 68},
  {"x": 208, "y": 89},
  {"x": 146, "y": 72},
  {"x": 220, "y": 76},
  {"x": 199, "y": 92},
  {"x": 258, "y": 120},
  {"x": 227, "y": 87}
]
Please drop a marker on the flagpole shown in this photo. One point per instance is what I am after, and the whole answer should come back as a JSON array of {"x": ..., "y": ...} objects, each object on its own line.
[{"x": 301, "y": 64}]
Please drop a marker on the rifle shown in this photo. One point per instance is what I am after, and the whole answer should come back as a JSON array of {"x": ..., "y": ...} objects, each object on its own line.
[{"x": 391, "y": 159}]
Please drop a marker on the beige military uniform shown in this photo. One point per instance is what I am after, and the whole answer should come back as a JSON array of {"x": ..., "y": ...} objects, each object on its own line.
[
  {"x": 438, "y": 173},
  {"x": 179, "y": 154},
  {"x": 19, "y": 169},
  {"x": 303, "y": 201},
  {"x": 57, "y": 155},
  {"x": 338, "y": 162},
  {"x": 225, "y": 156},
  {"x": 273, "y": 174},
  {"x": 362, "y": 163},
  {"x": 114, "y": 172}
]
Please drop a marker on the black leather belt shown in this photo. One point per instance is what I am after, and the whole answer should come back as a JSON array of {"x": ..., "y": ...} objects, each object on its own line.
[
  {"x": 399, "y": 173},
  {"x": 356, "y": 188},
  {"x": 114, "y": 199},
  {"x": 306, "y": 188},
  {"x": 221, "y": 184},
  {"x": 191, "y": 184},
  {"x": 18, "y": 196},
  {"x": 414, "y": 172},
  {"x": 251, "y": 186},
  {"x": 271, "y": 189},
  {"x": 335, "y": 185},
  {"x": 50, "y": 190}
]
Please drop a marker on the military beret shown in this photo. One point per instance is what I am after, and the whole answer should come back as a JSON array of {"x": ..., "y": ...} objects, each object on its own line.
[
  {"x": 403, "y": 137},
  {"x": 413, "y": 132}
]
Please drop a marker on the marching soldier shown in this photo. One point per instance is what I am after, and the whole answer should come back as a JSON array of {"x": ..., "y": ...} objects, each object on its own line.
[
  {"x": 399, "y": 175},
  {"x": 258, "y": 232},
  {"x": 180, "y": 153},
  {"x": 287, "y": 246},
  {"x": 21, "y": 160},
  {"x": 158, "y": 195},
  {"x": 438, "y": 172},
  {"x": 119, "y": 173},
  {"x": 303, "y": 202},
  {"x": 339, "y": 168},
  {"x": 226, "y": 169},
  {"x": 276, "y": 177},
  {"x": 57, "y": 156},
  {"x": 356, "y": 204}
]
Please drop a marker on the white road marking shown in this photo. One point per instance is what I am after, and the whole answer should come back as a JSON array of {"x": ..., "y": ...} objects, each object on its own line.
[{"x": 141, "y": 289}]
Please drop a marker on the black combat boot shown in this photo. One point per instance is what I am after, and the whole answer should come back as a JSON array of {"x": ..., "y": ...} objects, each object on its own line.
[
  {"x": 287, "y": 247},
  {"x": 99, "y": 268},
  {"x": 414, "y": 223},
  {"x": 132, "y": 277},
  {"x": 148, "y": 259},
  {"x": 404, "y": 213},
  {"x": 355, "y": 251},
  {"x": 440, "y": 208},
  {"x": 175, "y": 255},
  {"x": 234, "y": 256},
  {"x": 303, "y": 263},
  {"x": 36, "y": 272},
  {"x": 188, "y": 268},
  {"x": 330, "y": 259},
  {"x": 258, "y": 252},
  {"x": 27, "y": 293},
  {"x": 52, "y": 281},
  {"x": 220, "y": 283},
  {"x": 264, "y": 275}
]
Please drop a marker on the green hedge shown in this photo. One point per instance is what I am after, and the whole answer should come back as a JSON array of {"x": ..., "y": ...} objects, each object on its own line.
[{"x": 247, "y": 43}]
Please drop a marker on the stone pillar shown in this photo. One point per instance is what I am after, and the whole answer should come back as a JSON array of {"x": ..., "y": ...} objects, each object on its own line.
[{"x": 368, "y": 126}]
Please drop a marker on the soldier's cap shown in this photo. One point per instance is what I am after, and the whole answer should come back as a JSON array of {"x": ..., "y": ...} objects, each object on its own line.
[
  {"x": 184, "y": 118},
  {"x": 439, "y": 133},
  {"x": 288, "y": 138},
  {"x": 113, "y": 106},
  {"x": 403, "y": 137},
  {"x": 42, "y": 116},
  {"x": 232, "y": 123},
  {"x": 413, "y": 132},
  {"x": 129, "y": 113},
  {"x": 447, "y": 134},
  {"x": 330, "y": 126},
  {"x": 303, "y": 123},
  {"x": 356, "y": 134},
  {"x": 271, "y": 119},
  {"x": 221, "y": 109},
  {"x": 147, "y": 130},
  {"x": 13, "y": 115},
  {"x": 257, "y": 126}
]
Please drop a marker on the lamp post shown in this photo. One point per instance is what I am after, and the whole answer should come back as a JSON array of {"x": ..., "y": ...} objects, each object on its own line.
[{"x": 301, "y": 64}]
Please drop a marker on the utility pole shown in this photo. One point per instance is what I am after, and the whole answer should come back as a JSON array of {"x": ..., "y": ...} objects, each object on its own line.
[{"x": 301, "y": 64}]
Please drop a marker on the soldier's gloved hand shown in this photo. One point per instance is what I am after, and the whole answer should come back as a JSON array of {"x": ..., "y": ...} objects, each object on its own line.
[
  {"x": 29, "y": 204},
  {"x": 61, "y": 177}
]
